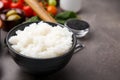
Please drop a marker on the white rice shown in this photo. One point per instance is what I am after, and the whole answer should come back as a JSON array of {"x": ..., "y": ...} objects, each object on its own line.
[{"x": 42, "y": 40}]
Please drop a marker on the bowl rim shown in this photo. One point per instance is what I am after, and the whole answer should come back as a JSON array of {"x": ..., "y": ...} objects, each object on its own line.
[{"x": 29, "y": 57}]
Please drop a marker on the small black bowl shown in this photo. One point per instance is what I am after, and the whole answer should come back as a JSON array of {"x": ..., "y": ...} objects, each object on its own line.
[
  {"x": 80, "y": 27},
  {"x": 8, "y": 25},
  {"x": 37, "y": 65}
]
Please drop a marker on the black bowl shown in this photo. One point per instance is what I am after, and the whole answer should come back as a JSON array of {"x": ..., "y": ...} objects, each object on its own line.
[
  {"x": 8, "y": 25},
  {"x": 37, "y": 65}
]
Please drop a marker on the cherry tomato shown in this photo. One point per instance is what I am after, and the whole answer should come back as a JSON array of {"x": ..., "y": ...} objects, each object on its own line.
[
  {"x": 18, "y": 4},
  {"x": 52, "y": 10},
  {"x": 34, "y": 14},
  {"x": 28, "y": 11},
  {"x": 6, "y": 3}
]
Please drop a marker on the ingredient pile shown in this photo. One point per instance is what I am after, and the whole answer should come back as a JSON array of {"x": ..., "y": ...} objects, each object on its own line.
[{"x": 14, "y": 12}]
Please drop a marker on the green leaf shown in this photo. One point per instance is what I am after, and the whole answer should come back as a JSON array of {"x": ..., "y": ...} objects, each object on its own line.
[
  {"x": 33, "y": 19},
  {"x": 63, "y": 16},
  {"x": 60, "y": 21},
  {"x": 66, "y": 15}
]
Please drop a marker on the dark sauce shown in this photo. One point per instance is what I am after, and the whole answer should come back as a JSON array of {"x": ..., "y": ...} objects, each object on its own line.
[{"x": 77, "y": 24}]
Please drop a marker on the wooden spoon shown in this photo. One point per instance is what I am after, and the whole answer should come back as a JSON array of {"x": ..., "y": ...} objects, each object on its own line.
[
  {"x": 1, "y": 23},
  {"x": 40, "y": 11}
]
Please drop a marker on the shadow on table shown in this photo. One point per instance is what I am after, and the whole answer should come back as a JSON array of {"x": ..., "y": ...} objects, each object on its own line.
[{"x": 88, "y": 37}]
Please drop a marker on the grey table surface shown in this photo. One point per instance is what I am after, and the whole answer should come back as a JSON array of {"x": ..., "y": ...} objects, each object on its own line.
[{"x": 99, "y": 60}]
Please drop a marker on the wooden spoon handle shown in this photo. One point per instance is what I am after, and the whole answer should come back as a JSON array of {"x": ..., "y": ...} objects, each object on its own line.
[
  {"x": 40, "y": 11},
  {"x": 1, "y": 23}
]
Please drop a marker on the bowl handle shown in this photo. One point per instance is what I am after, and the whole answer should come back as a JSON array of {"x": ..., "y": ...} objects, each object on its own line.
[
  {"x": 79, "y": 47},
  {"x": 5, "y": 43}
]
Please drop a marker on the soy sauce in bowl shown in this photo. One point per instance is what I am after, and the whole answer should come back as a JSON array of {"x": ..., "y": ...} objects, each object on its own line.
[{"x": 79, "y": 27}]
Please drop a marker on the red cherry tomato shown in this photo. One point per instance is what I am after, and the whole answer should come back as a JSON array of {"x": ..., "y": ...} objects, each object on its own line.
[
  {"x": 34, "y": 14},
  {"x": 6, "y": 3},
  {"x": 18, "y": 4},
  {"x": 52, "y": 10},
  {"x": 28, "y": 11}
]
